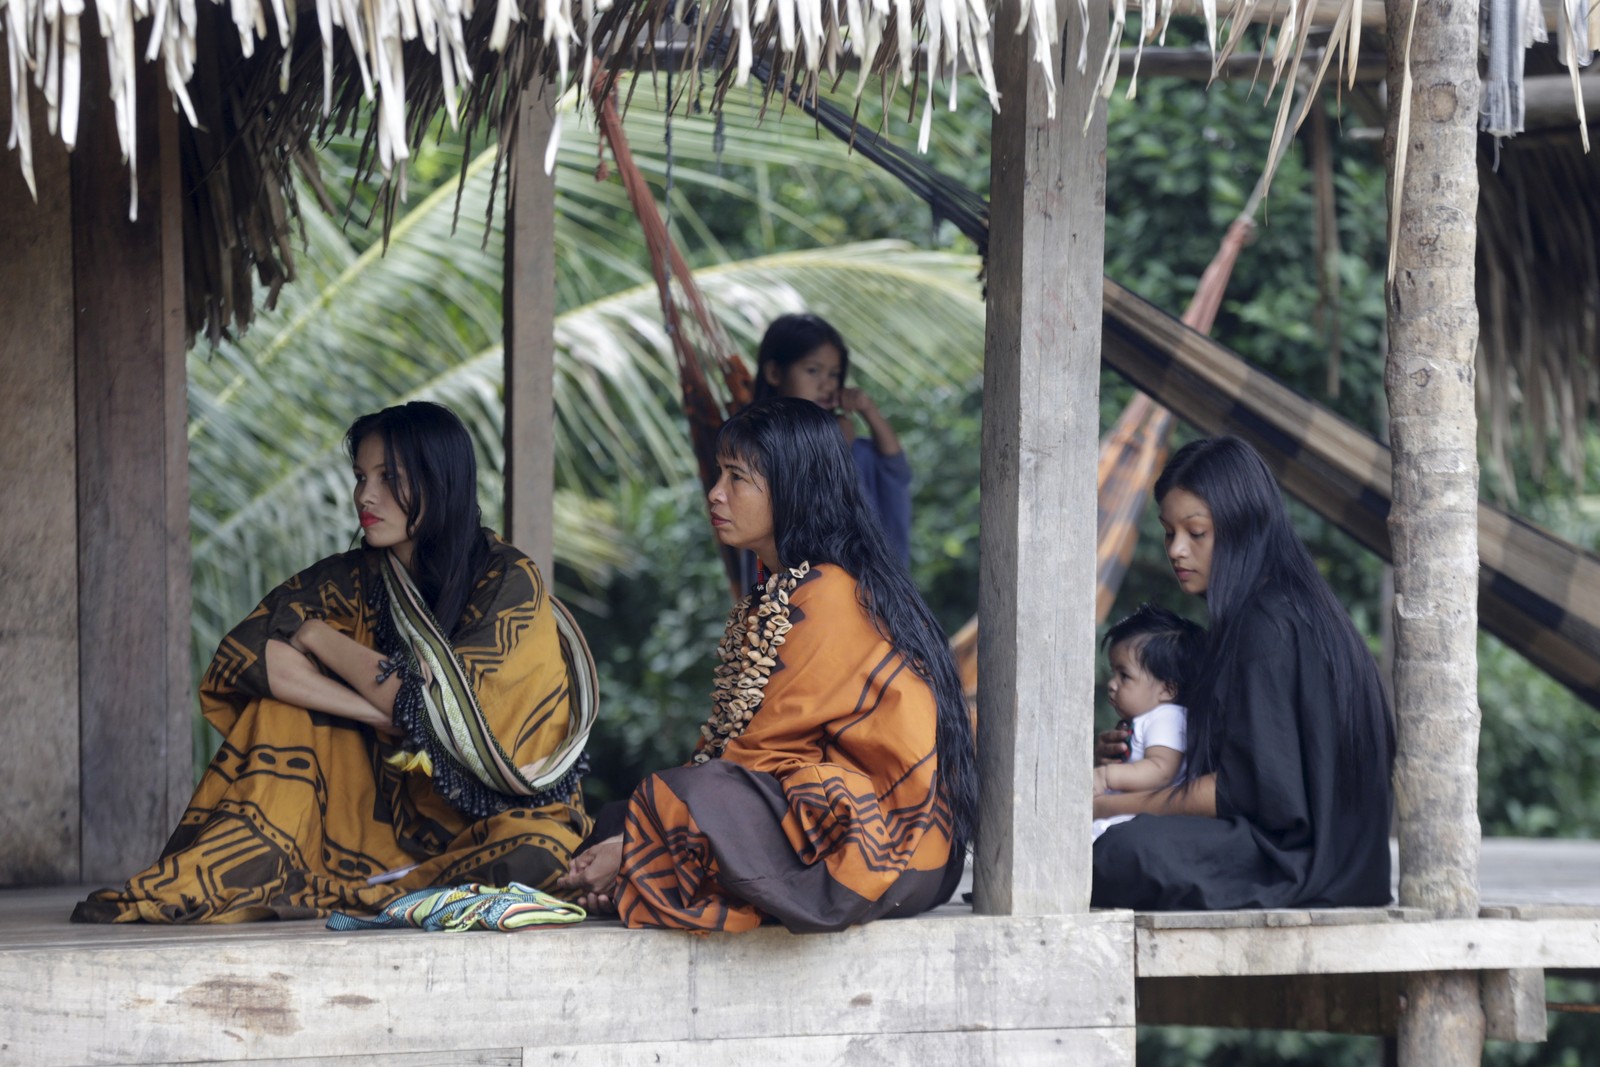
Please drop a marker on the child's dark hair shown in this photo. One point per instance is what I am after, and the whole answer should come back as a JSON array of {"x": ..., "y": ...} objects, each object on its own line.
[
  {"x": 789, "y": 339},
  {"x": 1168, "y": 646}
]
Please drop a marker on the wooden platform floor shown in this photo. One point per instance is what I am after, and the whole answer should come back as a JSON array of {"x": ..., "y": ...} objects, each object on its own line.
[{"x": 951, "y": 987}]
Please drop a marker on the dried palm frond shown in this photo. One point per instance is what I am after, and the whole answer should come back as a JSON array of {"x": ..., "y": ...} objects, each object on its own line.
[
  {"x": 1538, "y": 276},
  {"x": 256, "y": 83}
]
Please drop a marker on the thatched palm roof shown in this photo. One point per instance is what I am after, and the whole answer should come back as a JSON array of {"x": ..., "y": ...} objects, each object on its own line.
[{"x": 257, "y": 80}]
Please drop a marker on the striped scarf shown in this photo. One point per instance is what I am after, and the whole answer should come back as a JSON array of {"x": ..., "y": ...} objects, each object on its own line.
[{"x": 443, "y": 720}]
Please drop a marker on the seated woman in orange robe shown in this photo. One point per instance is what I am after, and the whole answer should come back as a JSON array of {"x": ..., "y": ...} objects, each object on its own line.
[
  {"x": 368, "y": 750},
  {"x": 835, "y": 779}
]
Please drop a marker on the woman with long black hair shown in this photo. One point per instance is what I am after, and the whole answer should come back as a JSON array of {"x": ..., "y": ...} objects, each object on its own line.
[
  {"x": 407, "y": 714},
  {"x": 1287, "y": 794},
  {"x": 835, "y": 780}
]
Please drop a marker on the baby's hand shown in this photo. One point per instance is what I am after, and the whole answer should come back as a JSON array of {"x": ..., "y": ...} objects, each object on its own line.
[{"x": 1100, "y": 786}]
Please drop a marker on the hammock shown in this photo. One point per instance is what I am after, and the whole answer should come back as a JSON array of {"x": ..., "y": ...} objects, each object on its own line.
[{"x": 702, "y": 407}]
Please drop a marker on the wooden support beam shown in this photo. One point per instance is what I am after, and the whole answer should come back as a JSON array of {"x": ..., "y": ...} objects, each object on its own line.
[
  {"x": 530, "y": 311},
  {"x": 1329, "y": 1003},
  {"x": 1548, "y": 100},
  {"x": 132, "y": 481},
  {"x": 1513, "y": 1003},
  {"x": 1316, "y": 946},
  {"x": 39, "y": 522},
  {"x": 1041, "y": 417}
]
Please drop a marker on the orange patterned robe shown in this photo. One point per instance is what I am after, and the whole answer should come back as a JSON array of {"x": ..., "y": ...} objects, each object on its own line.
[
  {"x": 823, "y": 814},
  {"x": 299, "y": 810}
]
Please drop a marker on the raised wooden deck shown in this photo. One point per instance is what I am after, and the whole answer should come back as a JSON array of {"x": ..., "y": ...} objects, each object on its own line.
[{"x": 952, "y": 987}]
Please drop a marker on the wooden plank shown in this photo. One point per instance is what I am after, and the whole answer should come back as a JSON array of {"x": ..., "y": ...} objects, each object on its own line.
[
  {"x": 907, "y": 975},
  {"x": 134, "y": 728},
  {"x": 1514, "y": 1005},
  {"x": 1100, "y": 1047},
  {"x": 1331, "y": 1003},
  {"x": 1268, "y": 917},
  {"x": 39, "y": 524},
  {"x": 472, "y": 1057},
  {"x": 311, "y": 992},
  {"x": 1513, "y": 1002},
  {"x": 530, "y": 312},
  {"x": 1041, "y": 420},
  {"x": 1439, "y": 945}
]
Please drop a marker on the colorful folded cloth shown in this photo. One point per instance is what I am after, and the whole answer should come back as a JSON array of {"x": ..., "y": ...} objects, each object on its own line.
[{"x": 467, "y": 907}]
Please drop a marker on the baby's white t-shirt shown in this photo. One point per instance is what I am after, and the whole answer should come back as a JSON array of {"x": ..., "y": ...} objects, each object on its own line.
[{"x": 1163, "y": 726}]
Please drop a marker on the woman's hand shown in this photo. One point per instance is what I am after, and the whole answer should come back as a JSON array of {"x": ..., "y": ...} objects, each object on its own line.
[
  {"x": 592, "y": 878},
  {"x": 1111, "y": 746},
  {"x": 1100, "y": 781}
]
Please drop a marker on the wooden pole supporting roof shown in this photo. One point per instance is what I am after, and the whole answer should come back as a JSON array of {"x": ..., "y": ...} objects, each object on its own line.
[{"x": 1041, "y": 420}]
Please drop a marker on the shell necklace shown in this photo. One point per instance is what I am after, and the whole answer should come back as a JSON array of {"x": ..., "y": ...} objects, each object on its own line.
[{"x": 757, "y": 626}]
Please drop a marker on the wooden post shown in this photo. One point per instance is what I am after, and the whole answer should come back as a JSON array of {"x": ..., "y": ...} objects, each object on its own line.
[
  {"x": 132, "y": 474},
  {"x": 530, "y": 312},
  {"x": 39, "y": 522},
  {"x": 1041, "y": 417},
  {"x": 1433, "y": 334}
]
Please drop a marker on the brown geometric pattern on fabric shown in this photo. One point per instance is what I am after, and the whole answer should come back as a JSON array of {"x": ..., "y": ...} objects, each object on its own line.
[
  {"x": 847, "y": 732},
  {"x": 671, "y": 878},
  {"x": 1537, "y": 593},
  {"x": 831, "y": 817},
  {"x": 298, "y": 809}
]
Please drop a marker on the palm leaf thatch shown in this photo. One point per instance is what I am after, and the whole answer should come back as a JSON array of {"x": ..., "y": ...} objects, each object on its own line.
[
  {"x": 1539, "y": 302},
  {"x": 257, "y": 82}
]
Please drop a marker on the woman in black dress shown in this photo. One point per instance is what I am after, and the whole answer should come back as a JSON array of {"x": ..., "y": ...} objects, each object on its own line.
[{"x": 1287, "y": 796}]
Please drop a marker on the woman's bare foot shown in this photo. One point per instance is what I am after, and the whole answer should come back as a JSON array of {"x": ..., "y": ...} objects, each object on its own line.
[{"x": 592, "y": 878}]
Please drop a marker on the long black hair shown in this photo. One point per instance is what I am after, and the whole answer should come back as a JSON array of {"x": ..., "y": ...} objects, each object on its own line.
[
  {"x": 820, "y": 516},
  {"x": 789, "y": 339},
  {"x": 449, "y": 547},
  {"x": 1254, "y": 548}
]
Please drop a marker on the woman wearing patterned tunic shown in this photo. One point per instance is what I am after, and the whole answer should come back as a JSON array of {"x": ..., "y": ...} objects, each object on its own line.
[
  {"x": 369, "y": 750},
  {"x": 834, "y": 783}
]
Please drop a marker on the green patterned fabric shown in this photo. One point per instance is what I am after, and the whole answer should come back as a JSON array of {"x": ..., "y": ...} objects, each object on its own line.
[{"x": 467, "y": 907}]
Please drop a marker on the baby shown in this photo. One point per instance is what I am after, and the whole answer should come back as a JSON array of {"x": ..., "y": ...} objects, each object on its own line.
[{"x": 1153, "y": 656}]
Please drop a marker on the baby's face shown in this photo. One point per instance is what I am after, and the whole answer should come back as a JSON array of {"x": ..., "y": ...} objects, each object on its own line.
[{"x": 1131, "y": 689}]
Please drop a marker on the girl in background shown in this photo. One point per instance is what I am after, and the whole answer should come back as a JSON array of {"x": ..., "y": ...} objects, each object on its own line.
[{"x": 804, "y": 356}]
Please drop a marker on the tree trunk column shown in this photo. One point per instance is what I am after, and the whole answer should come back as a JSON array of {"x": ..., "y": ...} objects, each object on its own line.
[
  {"x": 1041, "y": 419},
  {"x": 1433, "y": 333}
]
